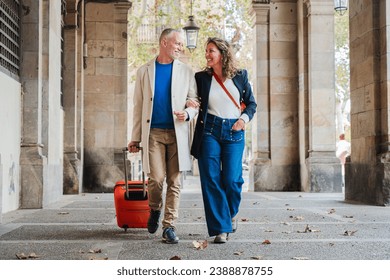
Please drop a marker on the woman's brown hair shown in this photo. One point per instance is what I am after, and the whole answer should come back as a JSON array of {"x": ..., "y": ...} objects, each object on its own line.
[{"x": 229, "y": 64}]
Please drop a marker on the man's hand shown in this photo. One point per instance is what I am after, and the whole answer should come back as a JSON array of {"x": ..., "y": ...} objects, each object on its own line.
[{"x": 133, "y": 147}]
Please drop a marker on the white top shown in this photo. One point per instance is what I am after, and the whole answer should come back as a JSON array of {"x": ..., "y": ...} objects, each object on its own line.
[
  {"x": 220, "y": 103},
  {"x": 343, "y": 148}
]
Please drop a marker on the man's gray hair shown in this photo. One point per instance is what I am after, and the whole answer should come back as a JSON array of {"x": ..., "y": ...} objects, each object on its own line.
[{"x": 166, "y": 32}]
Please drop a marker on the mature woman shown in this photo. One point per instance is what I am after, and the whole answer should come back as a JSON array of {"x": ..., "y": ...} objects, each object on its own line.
[{"x": 219, "y": 138}]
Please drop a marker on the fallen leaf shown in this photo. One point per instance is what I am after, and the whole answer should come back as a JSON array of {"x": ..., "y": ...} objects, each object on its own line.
[
  {"x": 266, "y": 242},
  {"x": 268, "y": 230},
  {"x": 257, "y": 258},
  {"x": 33, "y": 256},
  {"x": 238, "y": 253},
  {"x": 244, "y": 220},
  {"x": 285, "y": 223},
  {"x": 308, "y": 229},
  {"x": 290, "y": 209},
  {"x": 297, "y": 218},
  {"x": 63, "y": 213},
  {"x": 175, "y": 258},
  {"x": 193, "y": 234},
  {"x": 95, "y": 258},
  {"x": 22, "y": 256},
  {"x": 95, "y": 251},
  {"x": 255, "y": 203},
  {"x": 200, "y": 245},
  {"x": 300, "y": 258},
  {"x": 331, "y": 211},
  {"x": 347, "y": 216},
  {"x": 349, "y": 232}
]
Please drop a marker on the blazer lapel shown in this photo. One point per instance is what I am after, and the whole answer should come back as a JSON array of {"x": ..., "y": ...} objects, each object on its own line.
[
  {"x": 207, "y": 84},
  {"x": 175, "y": 76},
  {"x": 151, "y": 73}
]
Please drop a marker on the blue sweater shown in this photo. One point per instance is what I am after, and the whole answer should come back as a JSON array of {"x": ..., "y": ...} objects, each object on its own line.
[{"x": 162, "y": 116}]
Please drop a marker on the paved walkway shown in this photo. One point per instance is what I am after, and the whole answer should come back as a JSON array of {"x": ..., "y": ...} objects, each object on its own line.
[{"x": 273, "y": 226}]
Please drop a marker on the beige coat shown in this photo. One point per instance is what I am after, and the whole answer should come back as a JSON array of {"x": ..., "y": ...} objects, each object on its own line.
[{"x": 183, "y": 88}]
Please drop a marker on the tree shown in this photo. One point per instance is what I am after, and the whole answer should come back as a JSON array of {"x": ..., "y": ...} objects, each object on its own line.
[
  {"x": 227, "y": 19},
  {"x": 342, "y": 73}
]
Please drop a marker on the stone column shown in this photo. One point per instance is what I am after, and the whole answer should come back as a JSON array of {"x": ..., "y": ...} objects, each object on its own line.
[
  {"x": 32, "y": 161},
  {"x": 323, "y": 167},
  {"x": 275, "y": 166},
  {"x": 71, "y": 104},
  {"x": 368, "y": 171},
  {"x": 303, "y": 95},
  {"x": 105, "y": 94},
  {"x": 382, "y": 190},
  {"x": 260, "y": 123}
]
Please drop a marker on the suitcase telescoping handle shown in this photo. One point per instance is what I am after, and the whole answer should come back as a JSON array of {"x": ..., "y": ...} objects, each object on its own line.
[{"x": 125, "y": 151}]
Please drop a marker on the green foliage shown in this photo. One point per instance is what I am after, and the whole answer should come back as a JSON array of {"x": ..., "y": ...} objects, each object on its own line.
[
  {"x": 342, "y": 57},
  {"x": 215, "y": 18},
  {"x": 342, "y": 72}
]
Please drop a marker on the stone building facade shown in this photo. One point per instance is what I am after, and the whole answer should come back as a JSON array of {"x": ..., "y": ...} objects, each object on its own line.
[{"x": 63, "y": 99}]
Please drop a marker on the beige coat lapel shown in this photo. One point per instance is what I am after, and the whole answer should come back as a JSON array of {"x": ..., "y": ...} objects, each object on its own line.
[
  {"x": 151, "y": 73},
  {"x": 176, "y": 78}
]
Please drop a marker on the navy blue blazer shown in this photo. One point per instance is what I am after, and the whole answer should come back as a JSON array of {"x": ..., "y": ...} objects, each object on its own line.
[{"x": 203, "y": 83}]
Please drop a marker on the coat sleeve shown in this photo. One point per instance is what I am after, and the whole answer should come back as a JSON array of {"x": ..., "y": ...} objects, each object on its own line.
[
  {"x": 247, "y": 96},
  {"x": 192, "y": 95},
  {"x": 137, "y": 107}
]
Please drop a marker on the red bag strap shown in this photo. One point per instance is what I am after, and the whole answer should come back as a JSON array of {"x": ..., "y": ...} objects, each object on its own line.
[{"x": 225, "y": 89}]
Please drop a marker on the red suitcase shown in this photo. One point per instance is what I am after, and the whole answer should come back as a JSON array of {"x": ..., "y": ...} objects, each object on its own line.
[{"x": 131, "y": 201}]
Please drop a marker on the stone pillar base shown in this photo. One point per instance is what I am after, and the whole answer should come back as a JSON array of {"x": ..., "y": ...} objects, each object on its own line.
[
  {"x": 71, "y": 173},
  {"x": 102, "y": 169},
  {"x": 267, "y": 177},
  {"x": 383, "y": 184},
  {"x": 324, "y": 171},
  {"x": 32, "y": 174},
  {"x": 368, "y": 183}
]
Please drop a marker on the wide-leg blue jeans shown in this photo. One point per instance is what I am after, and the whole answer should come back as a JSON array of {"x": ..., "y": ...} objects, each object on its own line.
[{"x": 220, "y": 169}]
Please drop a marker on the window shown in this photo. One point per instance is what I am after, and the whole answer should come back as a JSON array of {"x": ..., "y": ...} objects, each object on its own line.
[{"x": 9, "y": 37}]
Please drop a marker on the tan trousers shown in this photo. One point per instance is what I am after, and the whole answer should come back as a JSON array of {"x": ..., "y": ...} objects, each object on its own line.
[{"x": 164, "y": 163}]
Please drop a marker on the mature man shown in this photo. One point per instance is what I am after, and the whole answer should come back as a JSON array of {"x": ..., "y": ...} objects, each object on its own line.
[{"x": 160, "y": 126}]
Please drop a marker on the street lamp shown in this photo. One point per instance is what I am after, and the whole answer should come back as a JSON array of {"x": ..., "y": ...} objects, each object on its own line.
[
  {"x": 341, "y": 6},
  {"x": 191, "y": 30}
]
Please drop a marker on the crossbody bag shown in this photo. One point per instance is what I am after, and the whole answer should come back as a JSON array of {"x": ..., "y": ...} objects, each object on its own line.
[{"x": 242, "y": 105}]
